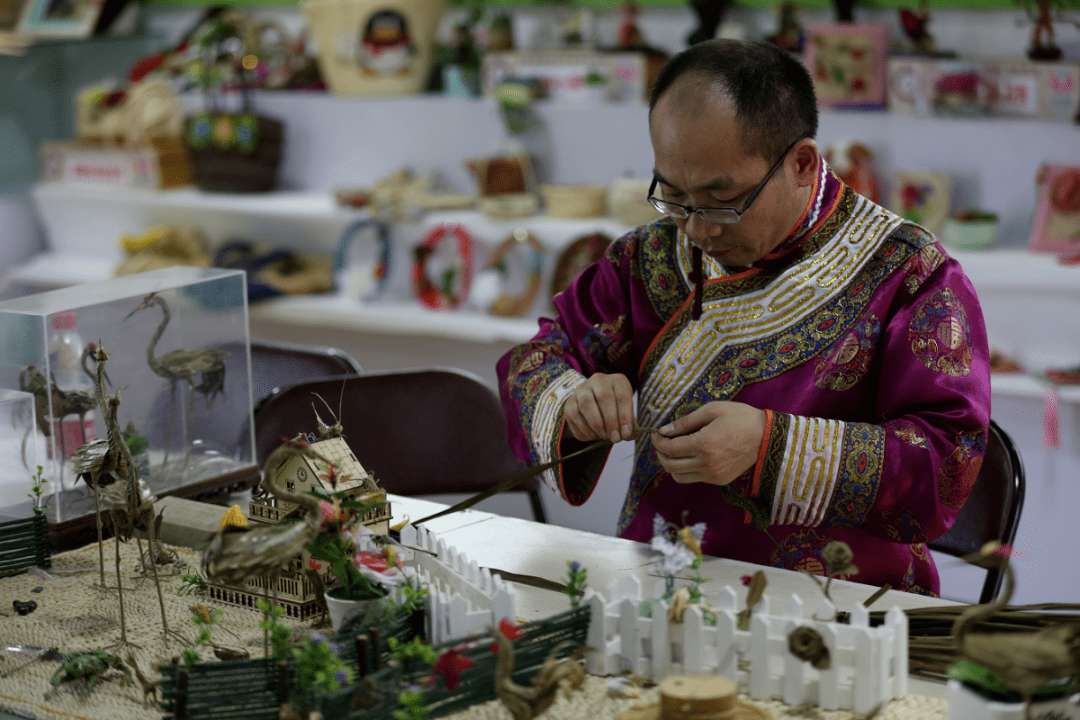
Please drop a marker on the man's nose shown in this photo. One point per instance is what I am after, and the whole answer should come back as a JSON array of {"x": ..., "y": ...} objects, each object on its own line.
[{"x": 699, "y": 229}]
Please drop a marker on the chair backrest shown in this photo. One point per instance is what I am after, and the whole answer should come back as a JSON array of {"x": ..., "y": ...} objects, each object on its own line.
[
  {"x": 992, "y": 509},
  {"x": 419, "y": 432},
  {"x": 275, "y": 365}
]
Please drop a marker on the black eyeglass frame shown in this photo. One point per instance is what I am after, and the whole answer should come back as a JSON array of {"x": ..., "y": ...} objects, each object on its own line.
[{"x": 665, "y": 206}]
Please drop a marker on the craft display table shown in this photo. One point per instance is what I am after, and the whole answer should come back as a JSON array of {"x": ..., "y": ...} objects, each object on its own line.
[{"x": 525, "y": 548}]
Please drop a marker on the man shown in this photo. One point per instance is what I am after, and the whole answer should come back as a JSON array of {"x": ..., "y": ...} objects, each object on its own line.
[{"x": 814, "y": 363}]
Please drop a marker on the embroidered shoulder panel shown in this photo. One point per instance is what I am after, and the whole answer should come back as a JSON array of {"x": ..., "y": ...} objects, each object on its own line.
[
  {"x": 797, "y": 318},
  {"x": 922, "y": 265},
  {"x": 656, "y": 265}
]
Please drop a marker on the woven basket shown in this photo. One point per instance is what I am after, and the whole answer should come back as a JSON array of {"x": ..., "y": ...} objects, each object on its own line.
[
  {"x": 574, "y": 201},
  {"x": 233, "y": 168}
]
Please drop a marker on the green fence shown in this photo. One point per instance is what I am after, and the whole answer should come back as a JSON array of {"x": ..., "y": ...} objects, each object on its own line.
[
  {"x": 254, "y": 689},
  {"x": 24, "y": 544}
]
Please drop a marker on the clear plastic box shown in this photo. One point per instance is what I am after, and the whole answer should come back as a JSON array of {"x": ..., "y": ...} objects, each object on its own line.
[
  {"x": 178, "y": 354},
  {"x": 18, "y": 454}
]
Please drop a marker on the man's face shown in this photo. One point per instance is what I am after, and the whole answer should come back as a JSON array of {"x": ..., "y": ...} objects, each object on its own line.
[{"x": 700, "y": 162}]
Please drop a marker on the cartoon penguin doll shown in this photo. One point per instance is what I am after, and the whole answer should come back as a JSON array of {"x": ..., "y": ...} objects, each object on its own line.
[{"x": 385, "y": 48}]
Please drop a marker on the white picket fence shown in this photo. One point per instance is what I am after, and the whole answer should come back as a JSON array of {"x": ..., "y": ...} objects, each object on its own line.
[
  {"x": 464, "y": 599},
  {"x": 868, "y": 665}
]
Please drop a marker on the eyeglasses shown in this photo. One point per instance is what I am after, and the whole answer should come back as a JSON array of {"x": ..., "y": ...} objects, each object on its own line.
[{"x": 724, "y": 215}]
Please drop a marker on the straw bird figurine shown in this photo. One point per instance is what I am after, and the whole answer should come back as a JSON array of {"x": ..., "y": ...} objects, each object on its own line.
[
  {"x": 525, "y": 703},
  {"x": 1025, "y": 661},
  {"x": 236, "y": 555}
]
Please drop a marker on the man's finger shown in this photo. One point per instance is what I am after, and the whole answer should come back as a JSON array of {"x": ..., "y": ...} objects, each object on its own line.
[
  {"x": 683, "y": 446},
  {"x": 624, "y": 394},
  {"x": 608, "y": 402},
  {"x": 680, "y": 466},
  {"x": 590, "y": 412},
  {"x": 579, "y": 431}
]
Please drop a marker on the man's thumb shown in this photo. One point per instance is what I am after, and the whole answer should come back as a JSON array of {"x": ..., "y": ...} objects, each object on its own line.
[{"x": 685, "y": 425}]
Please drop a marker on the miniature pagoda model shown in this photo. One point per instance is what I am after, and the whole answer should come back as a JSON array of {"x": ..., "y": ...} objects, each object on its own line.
[{"x": 296, "y": 589}]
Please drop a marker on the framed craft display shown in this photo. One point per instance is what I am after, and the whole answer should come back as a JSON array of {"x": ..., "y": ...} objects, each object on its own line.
[
  {"x": 452, "y": 269},
  {"x": 362, "y": 269},
  {"x": 847, "y": 62},
  {"x": 577, "y": 256},
  {"x": 518, "y": 261},
  {"x": 923, "y": 197},
  {"x": 10, "y": 14},
  {"x": 59, "y": 18},
  {"x": 1057, "y": 212}
]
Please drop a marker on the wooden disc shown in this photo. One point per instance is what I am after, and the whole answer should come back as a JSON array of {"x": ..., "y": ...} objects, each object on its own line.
[{"x": 694, "y": 697}]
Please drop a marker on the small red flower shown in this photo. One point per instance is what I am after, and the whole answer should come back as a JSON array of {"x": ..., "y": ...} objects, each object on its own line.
[
  {"x": 1005, "y": 550},
  {"x": 746, "y": 580},
  {"x": 314, "y": 564},
  {"x": 510, "y": 630},
  {"x": 451, "y": 664},
  {"x": 372, "y": 559},
  {"x": 331, "y": 512}
]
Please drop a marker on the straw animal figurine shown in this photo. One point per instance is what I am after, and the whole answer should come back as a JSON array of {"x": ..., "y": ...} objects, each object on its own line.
[
  {"x": 1024, "y": 661},
  {"x": 525, "y": 703}
]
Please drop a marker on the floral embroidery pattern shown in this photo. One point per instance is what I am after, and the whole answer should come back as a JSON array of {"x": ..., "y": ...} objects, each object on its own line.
[
  {"x": 621, "y": 249},
  {"x": 921, "y": 557},
  {"x": 961, "y": 468},
  {"x": 849, "y": 359},
  {"x": 902, "y": 527},
  {"x": 910, "y": 433},
  {"x": 607, "y": 342},
  {"x": 926, "y": 261},
  {"x": 801, "y": 550},
  {"x": 940, "y": 334}
]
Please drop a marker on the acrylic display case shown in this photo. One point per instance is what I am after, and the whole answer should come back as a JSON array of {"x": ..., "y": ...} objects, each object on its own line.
[
  {"x": 18, "y": 454},
  {"x": 179, "y": 357}
]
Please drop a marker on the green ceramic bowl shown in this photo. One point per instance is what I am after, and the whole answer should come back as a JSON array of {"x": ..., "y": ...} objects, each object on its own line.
[{"x": 970, "y": 234}]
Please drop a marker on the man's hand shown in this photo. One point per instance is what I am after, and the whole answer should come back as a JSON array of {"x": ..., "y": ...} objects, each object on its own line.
[
  {"x": 601, "y": 408},
  {"x": 715, "y": 444}
]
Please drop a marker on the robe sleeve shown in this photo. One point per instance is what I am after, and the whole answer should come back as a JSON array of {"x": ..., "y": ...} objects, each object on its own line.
[
  {"x": 904, "y": 476},
  {"x": 591, "y": 333}
]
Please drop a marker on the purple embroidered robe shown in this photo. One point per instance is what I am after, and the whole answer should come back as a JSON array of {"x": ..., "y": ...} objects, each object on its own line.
[{"x": 863, "y": 338}]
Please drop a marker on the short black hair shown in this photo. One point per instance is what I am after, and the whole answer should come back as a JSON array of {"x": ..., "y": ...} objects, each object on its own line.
[{"x": 772, "y": 92}]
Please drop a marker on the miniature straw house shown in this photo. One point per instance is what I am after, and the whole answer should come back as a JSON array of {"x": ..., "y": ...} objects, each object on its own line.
[{"x": 296, "y": 591}]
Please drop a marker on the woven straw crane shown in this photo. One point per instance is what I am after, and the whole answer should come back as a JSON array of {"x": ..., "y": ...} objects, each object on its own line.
[
  {"x": 107, "y": 466},
  {"x": 1025, "y": 661},
  {"x": 97, "y": 462},
  {"x": 209, "y": 365}
]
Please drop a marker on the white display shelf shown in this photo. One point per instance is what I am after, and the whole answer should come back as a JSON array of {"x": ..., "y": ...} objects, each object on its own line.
[
  {"x": 407, "y": 318},
  {"x": 309, "y": 220},
  {"x": 1020, "y": 385},
  {"x": 392, "y": 318}
]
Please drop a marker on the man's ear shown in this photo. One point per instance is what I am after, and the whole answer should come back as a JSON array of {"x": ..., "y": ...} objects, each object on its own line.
[{"x": 807, "y": 159}]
